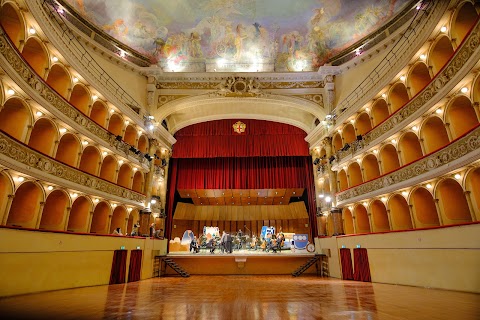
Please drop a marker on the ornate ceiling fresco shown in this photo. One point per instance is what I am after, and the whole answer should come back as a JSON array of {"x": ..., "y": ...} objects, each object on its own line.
[{"x": 238, "y": 35}]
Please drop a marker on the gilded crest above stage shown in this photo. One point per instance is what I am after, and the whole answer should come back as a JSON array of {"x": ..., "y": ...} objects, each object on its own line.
[{"x": 238, "y": 35}]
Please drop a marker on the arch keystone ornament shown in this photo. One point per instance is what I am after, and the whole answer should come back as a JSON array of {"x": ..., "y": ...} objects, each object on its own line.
[{"x": 239, "y": 127}]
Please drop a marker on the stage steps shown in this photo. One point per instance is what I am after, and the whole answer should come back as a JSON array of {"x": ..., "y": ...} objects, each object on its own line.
[
  {"x": 172, "y": 264},
  {"x": 306, "y": 265}
]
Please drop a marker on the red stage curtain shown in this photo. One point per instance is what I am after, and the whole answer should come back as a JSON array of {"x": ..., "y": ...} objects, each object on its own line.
[
  {"x": 346, "y": 260},
  {"x": 261, "y": 138},
  {"x": 135, "y": 265},
  {"x": 242, "y": 173},
  {"x": 362, "y": 267},
  {"x": 119, "y": 266}
]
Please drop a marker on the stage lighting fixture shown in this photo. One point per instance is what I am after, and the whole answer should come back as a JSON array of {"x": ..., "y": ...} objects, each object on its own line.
[
  {"x": 316, "y": 161},
  {"x": 119, "y": 138},
  {"x": 359, "y": 138},
  {"x": 132, "y": 149}
]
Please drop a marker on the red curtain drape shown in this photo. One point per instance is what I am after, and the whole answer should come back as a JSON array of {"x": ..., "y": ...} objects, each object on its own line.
[
  {"x": 242, "y": 173},
  {"x": 119, "y": 267},
  {"x": 261, "y": 138},
  {"x": 135, "y": 265},
  {"x": 362, "y": 267},
  {"x": 346, "y": 260}
]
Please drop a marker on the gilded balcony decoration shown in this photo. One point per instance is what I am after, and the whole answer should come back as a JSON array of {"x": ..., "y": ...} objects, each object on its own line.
[
  {"x": 429, "y": 93},
  {"x": 35, "y": 160},
  {"x": 454, "y": 151}
]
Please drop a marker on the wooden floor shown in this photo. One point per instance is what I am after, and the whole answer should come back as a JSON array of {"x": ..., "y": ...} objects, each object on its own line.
[{"x": 244, "y": 297}]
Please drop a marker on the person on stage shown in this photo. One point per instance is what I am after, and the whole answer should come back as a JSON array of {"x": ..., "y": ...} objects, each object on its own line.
[
  {"x": 194, "y": 245},
  {"x": 223, "y": 242},
  {"x": 229, "y": 243}
]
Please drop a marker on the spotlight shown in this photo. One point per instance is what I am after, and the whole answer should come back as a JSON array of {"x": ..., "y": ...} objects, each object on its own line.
[
  {"x": 119, "y": 138},
  {"x": 164, "y": 162},
  {"x": 316, "y": 161},
  {"x": 359, "y": 137},
  {"x": 132, "y": 149}
]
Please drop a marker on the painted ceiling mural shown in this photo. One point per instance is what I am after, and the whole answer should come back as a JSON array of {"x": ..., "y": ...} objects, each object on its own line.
[{"x": 250, "y": 34}]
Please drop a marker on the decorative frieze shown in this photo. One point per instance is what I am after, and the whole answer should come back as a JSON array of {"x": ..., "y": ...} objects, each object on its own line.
[
  {"x": 53, "y": 99},
  {"x": 454, "y": 151},
  {"x": 35, "y": 160}
]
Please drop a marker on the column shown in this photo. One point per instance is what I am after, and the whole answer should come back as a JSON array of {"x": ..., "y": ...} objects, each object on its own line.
[
  {"x": 7, "y": 209},
  {"x": 39, "y": 214},
  {"x": 144, "y": 229}
]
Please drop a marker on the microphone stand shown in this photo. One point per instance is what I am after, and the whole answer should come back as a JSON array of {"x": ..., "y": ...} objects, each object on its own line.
[{"x": 249, "y": 231}]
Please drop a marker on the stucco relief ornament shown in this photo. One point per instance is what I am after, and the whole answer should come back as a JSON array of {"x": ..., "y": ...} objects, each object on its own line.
[{"x": 239, "y": 127}]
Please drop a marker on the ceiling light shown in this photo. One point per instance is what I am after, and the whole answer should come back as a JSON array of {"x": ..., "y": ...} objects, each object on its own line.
[
  {"x": 365, "y": 204},
  {"x": 96, "y": 200},
  {"x": 20, "y": 179},
  {"x": 114, "y": 205},
  {"x": 367, "y": 109},
  {"x": 384, "y": 199},
  {"x": 127, "y": 122},
  {"x": 458, "y": 176},
  {"x": 55, "y": 59},
  {"x": 423, "y": 57},
  {"x": 74, "y": 195},
  {"x": 104, "y": 153},
  {"x": 394, "y": 141},
  {"x": 135, "y": 169},
  {"x": 153, "y": 201},
  {"x": 339, "y": 131},
  {"x": 139, "y": 131},
  {"x": 10, "y": 91},
  {"x": 464, "y": 90},
  {"x": 120, "y": 161},
  {"x": 39, "y": 114},
  {"x": 443, "y": 29},
  {"x": 32, "y": 31},
  {"x": 84, "y": 142},
  {"x": 375, "y": 151},
  {"x": 112, "y": 110},
  {"x": 352, "y": 121}
]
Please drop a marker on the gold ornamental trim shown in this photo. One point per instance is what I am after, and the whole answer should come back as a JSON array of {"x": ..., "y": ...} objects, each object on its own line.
[{"x": 239, "y": 127}]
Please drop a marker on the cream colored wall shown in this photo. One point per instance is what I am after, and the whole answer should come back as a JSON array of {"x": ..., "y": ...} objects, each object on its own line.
[
  {"x": 348, "y": 80},
  {"x": 446, "y": 258},
  {"x": 32, "y": 261},
  {"x": 133, "y": 83}
]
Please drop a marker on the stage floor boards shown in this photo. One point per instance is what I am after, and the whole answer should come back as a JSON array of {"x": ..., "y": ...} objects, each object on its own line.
[{"x": 244, "y": 297}]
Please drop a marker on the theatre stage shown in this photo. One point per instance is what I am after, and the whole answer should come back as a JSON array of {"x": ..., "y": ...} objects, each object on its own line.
[{"x": 243, "y": 262}]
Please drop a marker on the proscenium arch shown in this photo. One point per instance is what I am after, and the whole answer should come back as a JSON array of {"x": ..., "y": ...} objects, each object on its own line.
[{"x": 278, "y": 109}]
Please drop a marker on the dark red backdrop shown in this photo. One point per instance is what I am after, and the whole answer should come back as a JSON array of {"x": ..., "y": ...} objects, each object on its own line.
[{"x": 267, "y": 155}]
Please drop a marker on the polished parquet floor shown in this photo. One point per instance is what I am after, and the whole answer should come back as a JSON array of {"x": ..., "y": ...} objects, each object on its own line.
[{"x": 244, "y": 297}]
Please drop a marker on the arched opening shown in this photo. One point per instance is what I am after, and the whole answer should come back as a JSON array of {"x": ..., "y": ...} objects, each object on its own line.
[
  {"x": 434, "y": 134},
  {"x": 118, "y": 219},
  {"x": 379, "y": 216},
  {"x": 348, "y": 221},
  {"x": 370, "y": 167},
  {"x": 349, "y": 133},
  {"x": 78, "y": 220},
  {"x": 342, "y": 179},
  {"x": 36, "y": 56},
  {"x": 6, "y": 189},
  {"x": 59, "y": 80},
  {"x": 68, "y": 150},
  {"x": 441, "y": 53},
  {"x": 115, "y": 124},
  {"x": 361, "y": 218},
  {"x": 453, "y": 203},
  {"x": 389, "y": 158},
  {"x": 143, "y": 144},
  {"x": 409, "y": 146},
  {"x": 124, "y": 176},
  {"x": 53, "y": 214},
  {"x": 108, "y": 169},
  {"x": 80, "y": 98},
  {"x": 15, "y": 119},
  {"x": 461, "y": 116},
  {"x": 379, "y": 112},
  {"x": 363, "y": 123},
  {"x": 398, "y": 96},
  {"x": 90, "y": 160},
  {"x": 337, "y": 142},
  {"x": 100, "y": 218},
  {"x": 424, "y": 208},
  {"x": 400, "y": 213},
  {"x": 43, "y": 136},
  {"x": 465, "y": 19},
  {"x": 137, "y": 184},
  {"x": 355, "y": 174},
  {"x": 130, "y": 136},
  {"x": 133, "y": 219},
  {"x": 473, "y": 186},
  {"x": 99, "y": 113},
  {"x": 12, "y": 21},
  {"x": 25, "y": 206},
  {"x": 419, "y": 78}
]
